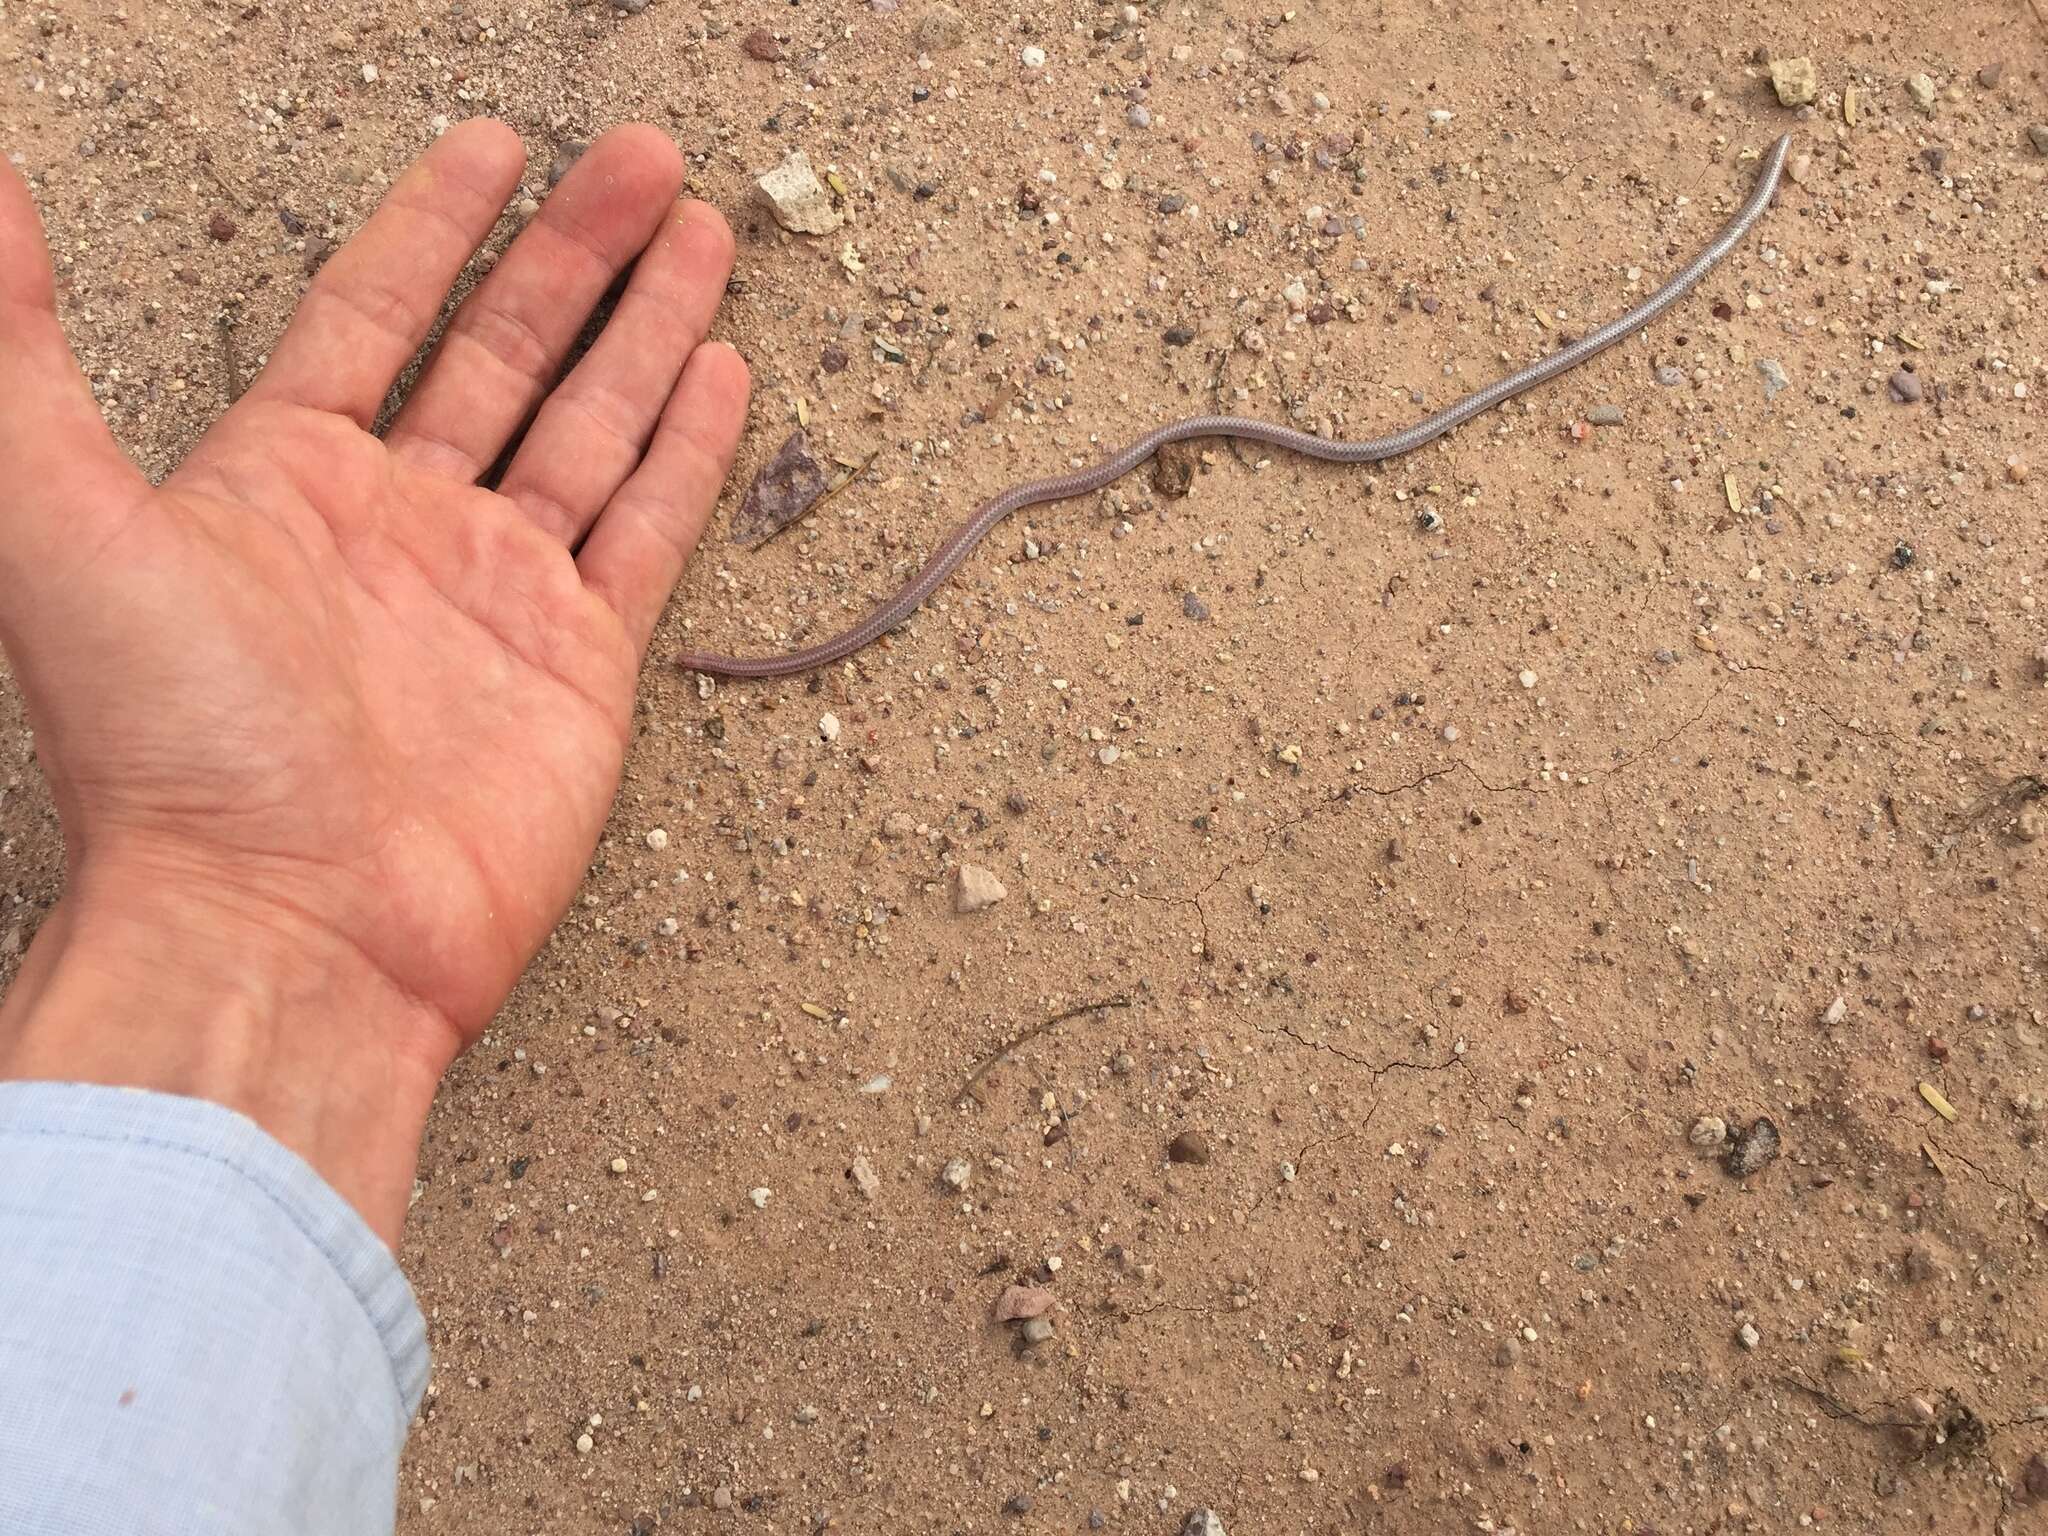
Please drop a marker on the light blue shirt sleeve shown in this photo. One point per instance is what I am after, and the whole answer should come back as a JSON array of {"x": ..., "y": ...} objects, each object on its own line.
[{"x": 198, "y": 1337}]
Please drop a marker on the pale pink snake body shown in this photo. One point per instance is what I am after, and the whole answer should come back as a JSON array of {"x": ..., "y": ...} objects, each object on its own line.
[{"x": 1081, "y": 482}]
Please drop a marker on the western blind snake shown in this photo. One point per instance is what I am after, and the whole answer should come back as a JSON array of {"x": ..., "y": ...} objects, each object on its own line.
[{"x": 1081, "y": 482}]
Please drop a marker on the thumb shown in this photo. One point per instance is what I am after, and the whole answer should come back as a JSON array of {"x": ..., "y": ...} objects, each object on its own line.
[{"x": 58, "y": 462}]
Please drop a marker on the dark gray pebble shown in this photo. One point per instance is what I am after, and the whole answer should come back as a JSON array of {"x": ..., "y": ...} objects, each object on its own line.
[
  {"x": 1193, "y": 606},
  {"x": 1179, "y": 335},
  {"x": 1755, "y": 1148},
  {"x": 565, "y": 157}
]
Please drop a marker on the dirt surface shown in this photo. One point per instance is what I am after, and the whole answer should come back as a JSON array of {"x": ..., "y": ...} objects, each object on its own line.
[{"x": 1439, "y": 845}]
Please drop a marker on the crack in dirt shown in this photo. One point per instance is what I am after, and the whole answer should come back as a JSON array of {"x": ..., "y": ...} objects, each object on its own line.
[{"x": 1378, "y": 1071}]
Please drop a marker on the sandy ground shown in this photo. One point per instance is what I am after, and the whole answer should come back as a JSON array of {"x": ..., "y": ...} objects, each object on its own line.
[{"x": 1438, "y": 881}]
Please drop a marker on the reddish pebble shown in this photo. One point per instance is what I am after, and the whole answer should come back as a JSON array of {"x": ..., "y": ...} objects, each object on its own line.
[
  {"x": 760, "y": 44},
  {"x": 221, "y": 227},
  {"x": 1937, "y": 1047},
  {"x": 1581, "y": 430}
]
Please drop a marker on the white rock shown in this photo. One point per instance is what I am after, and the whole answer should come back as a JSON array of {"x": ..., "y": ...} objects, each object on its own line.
[
  {"x": 1708, "y": 1131},
  {"x": 1837, "y": 1010},
  {"x": 828, "y": 726},
  {"x": 974, "y": 889},
  {"x": 1203, "y": 1522},
  {"x": 957, "y": 1173},
  {"x": 1033, "y": 57},
  {"x": 760, "y": 1197},
  {"x": 658, "y": 839},
  {"x": 864, "y": 1177},
  {"x": 797, "y": 198},
  {"x": 1749, "y": 1336}
]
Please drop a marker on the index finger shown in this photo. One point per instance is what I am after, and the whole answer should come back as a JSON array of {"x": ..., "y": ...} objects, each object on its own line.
[{"x": 372, "y": 305}]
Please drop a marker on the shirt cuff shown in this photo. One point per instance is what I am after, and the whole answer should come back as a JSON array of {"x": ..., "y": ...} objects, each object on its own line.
[{"x": 199, "y": 1333}]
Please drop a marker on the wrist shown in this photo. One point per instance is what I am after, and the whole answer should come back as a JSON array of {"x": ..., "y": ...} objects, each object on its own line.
[{"x": 152, "y": 977}]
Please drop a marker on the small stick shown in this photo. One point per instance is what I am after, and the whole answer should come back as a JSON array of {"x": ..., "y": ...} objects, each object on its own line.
[{"x": 974, "y": 1078}]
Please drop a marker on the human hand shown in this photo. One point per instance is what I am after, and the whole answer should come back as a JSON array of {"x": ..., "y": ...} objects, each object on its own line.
[{"x": 332, "y": 730}]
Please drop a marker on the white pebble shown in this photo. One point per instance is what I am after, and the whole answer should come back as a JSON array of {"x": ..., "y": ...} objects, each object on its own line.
[
  {"x": 1034, "y": 57},
  {"x": 828, "y": 726},
  {"x": 369, "y": 74},
  {"x": 658, "y": 839},
  {"x": 1528, "y": 678},
  {"x": 760, "y": 1197}
]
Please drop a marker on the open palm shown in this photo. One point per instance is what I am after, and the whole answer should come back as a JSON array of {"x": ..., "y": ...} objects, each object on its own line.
[{"x": 323, "y": 688}]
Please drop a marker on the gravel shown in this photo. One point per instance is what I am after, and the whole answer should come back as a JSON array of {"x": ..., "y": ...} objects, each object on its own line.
[{"x": 1905, "y": 386}]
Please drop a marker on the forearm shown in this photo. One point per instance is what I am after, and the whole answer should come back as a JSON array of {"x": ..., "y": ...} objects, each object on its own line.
[{"x": 148, "y": 977}]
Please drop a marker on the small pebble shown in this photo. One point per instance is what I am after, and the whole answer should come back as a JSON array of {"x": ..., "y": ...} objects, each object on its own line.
[
  {"x": 1193, "y": 607},
  {"x": 566, "y": 156},
  {"x": 761, "y": 44},
  {"x": 658, "y": 839},
  {"x": 1669, "y": 376},
  {"x": 1017, "y": 1504},
  {"x": 939, "y": 29},
  {"x": 1755, "y": 1148},
  {"x": 1203, "y": 1522},
  {"x": 1179, "y": 335},
  {"x": 1773, "y": 373},
  {"x": 1921, "y": 89},
  {"x": 1905, "y": 386},
  {"x": 1036, "y": 1330},
  {"x": 1020, "y": 1303},
  {"x": 2037, "y": 135},
  {"x": 1033, "y": 57},
  {"x": 1794, "y": 81},
  {"x": 1991, "y": 74},
  {"x": 828, "y": 726},
  {"x": 1605, "y": 416},
  {"x": 1708, "y": 1131},
  {"x": 1138, "y": 116},
  {"x": 957, "y": 1173},
  {"x": 1190, "y": 1147},
  {"x": 975, "y": 889},
  {"x": 797, "y": 198},
  {"x": 864, "y": 1177},
  {"x": 1748, "y": 1336},
  {"x": 221, "y": 227}
]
